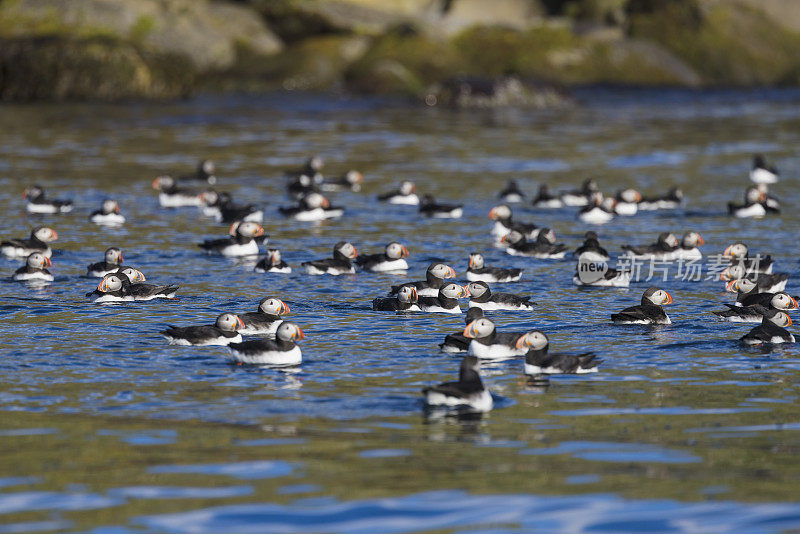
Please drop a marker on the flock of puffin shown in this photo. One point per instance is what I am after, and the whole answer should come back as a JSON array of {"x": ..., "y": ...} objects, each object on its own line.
[{"x": 760, "y": 292}]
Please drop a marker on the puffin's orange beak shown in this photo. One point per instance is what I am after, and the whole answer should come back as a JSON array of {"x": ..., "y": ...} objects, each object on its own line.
[
  {"x": 469, "y": 331},
  {"x": 451, "y": 273},
  {"x": 414, "y": 294},
  {"x": 325, "y": 203},
  {"x": 25, "y": 193},
  {"x": 403, "y": 251},
  {"x": 732, "y": 286},
  {"x": 48, "y": 263},
  {"x": 156, "y": 183},
  {"x": 285, "y": 309},
  {"x": 639, "y": 197},
  {"x": 232, "y": 229},
  {"x": 300, "y": 335},
  {"x": 471, "y": 262},
  {"x": 700, "y": 240},
  {"x": 239, "y": 323},
  {"x": 503, "y": 239},
  {"x": 355, "y": 252},
  {"x": 466, "y": 290},
  {"x": 55, "y": 235},
  {"x": 140, "y": 276},
  {"x": 259, "y": 231},
  {"x": 102, "y": 286},
  {"x": 794, "y": 304},
  {"x": 669, "y": 298},
  {"x": 492, "y": 214},
  {"x": 727, "y": 251},
  {"x": 724, "y": 275},
  {"x": 120, "y": 257},
  {"x": 522, "y": 342}
]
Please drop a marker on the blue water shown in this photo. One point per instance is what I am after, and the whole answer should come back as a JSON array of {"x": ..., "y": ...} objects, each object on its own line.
[{"x": 105, "y": 428}]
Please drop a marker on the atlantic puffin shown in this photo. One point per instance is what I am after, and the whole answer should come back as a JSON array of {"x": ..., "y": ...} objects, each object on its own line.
[
  {"x": 591, "y": 270},
  {"x": 739, "y": 253},
  {"x": 406, "y": 300},
  {"x": 663, "y": 249},
  {"x": 222, "y": 208},
  {"x": 343, "y": 254},
  {"x": 446, "y": 301},
  {"x": 539, "y": 361},
  {"x": 545, "y": 246},
  {"x": 504, "y": 223},
  {"x": 489, "y": 344},
  {"x": 753, "y": 206},
  {"x": 244, "y": 242},
  {"x": 39, "y": 203},
  {"x": 689, "y": 248},
  {"x": 760, "y": 173},
  {"x": 405, "y": 194},
  {"x": 266, "y": 319},
  {"x": 111, "y": 262},
  {"x": 598, "y": 209},
  {"x": 747, "y": 292},
  {"x": 224, "y": 331},
  {"x": 108, "y": 214},
  {"x": 511, "y": 193},
  {"x": 35, "y": 268},
  {"x": 767, "y": 283},
  {"x": 648, "y": 312},
  {"x": 142, "y": 291},
  {"x": 627, "y": 202},
  {"x": 751, "y": 312},
  {"x": 430, "y": 208},
  {"x": 351, "y": 180},
  {"x": 172, "y": 195},
  {"x": 37, "y": 242},
  {"x": 282, "y": 350},
  {"x": 392, "y": 259},
  {"x": 581, "y": 196},
  {"x": 458, "y": 342},
  {"x": 481, "y": 296},
  {"x": 477, "y": 271},
  {"x": 670, "y": 201},
  {"x": 435, "y": 275},
  {"x": 545, "y": 199},
  {"x": 272, "y": 263},
  {"x": 312, "y": 207},
  {"x": 771, "y": 330},
  {"x": 468, "y": 393},
  {"x": 114, "y": 287},
  {"x": 591, "y": 248}
]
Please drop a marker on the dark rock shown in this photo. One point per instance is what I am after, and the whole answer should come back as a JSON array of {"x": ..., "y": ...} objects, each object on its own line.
[{"x": 478, "y": 92}]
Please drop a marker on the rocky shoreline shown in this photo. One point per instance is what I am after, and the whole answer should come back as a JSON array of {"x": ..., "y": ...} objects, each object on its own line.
[{"x": 441, "y": 52}]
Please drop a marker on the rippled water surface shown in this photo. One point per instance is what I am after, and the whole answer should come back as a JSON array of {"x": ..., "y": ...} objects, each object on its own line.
[{"x": 105, "y": 428}]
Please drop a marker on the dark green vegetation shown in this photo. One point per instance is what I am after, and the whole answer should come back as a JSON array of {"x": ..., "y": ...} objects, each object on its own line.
[{"x": 147, "y": 48}]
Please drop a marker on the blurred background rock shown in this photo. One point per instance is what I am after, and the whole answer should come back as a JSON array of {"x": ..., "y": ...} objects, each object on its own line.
[{"x": 440, "y": 51}]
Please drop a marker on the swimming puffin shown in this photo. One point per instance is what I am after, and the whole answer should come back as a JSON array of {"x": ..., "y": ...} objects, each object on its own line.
[
  {"x": 771, "y": 330},
  {"x": 670, "y": 201},
  {"x": 648, "y": 312},
  {"x": 39, "y": 203},
  {"x": 458, "y": 342},
  {"x": 689, "y": 248},
  {"x": 767, "y": 283},
  {"x": 478, "y": 272},
  {"x": 171, "y": 195},
  {"x": 430, "y": 208},
  {"x": 114, "y": 287},
  {"x": 747, "y": 291},
  {"x": 591, "y": 248},
  {"x": 538, "y": 361},
  {"x": 468, "y": 393},
  {"x": 760, "y": 173},
  {"x": 224, "y": 331},
  {"x": 446, "y": 301},
  {"x": 312, "y": 207},
  {"x": 627, "y": 202},
  {"x": 272, "y": 263},
  {"x": 35, "y": 268},
  {"x": 282, "y": 350},
  {"x": 266, "y": 319},
  {"x": 37, "y": 242},
  {"x": 753, "y": 206},
  {"x": 406, "y": 300},
  {"x": 544, "y": 247},
  {"x": 111, "y": 262},
  {"x": 108, "y": 214},
  {"x": 351, "y": 180},
  {"x": 435, "y": 275},
  {"x": 489, "y": 344},
  {"x": 390, "y": 260},
  {"x": 544, "y": 199},
  {"x": 598, "y": 210},
  {"x": 406, "y": 194},
  {"x": 740, "y": 254},
  {"x": 142, "y": 291},
  {"x": 511, "y": 193},
  {"x": 243, "y": 242},
  {"x": 751, "y": 312},
  {"x": 480, "y": 296},
  {"x": 340, "y": 263},
  {"x": 581, "y": 196},
  {"x": 597, "y": 274},
  {"x": 504, "y": 224},
  {"x": 222, "y": 208},
  {"x": 663, "y": 249}
]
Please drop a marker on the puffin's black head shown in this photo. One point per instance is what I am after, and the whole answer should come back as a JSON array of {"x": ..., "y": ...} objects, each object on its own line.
[
  {"x": 228, "y": 322},
  {"x": 206, "y": 168},
  {"x": 408, "y": 295},
  {"x": 44, "y": 234},
  {"x": 544, "y": 190},
  {"x": 273, "y": 256},
  {"x": 224, "y": 198},
  {"x": 500, "y": 213},
  {"x": 470, "y": 369},
  {"x": 273, "y": 306},
  {"x": 289, "y": 331},
  {"x": 783, "y": 301},
  {"x": 134, "y": 275},
  {"x": 753, "y": 195},
  {"x": 676, "y": 193},
  {"x": 629, "y": 195},
  {"x": 514, "y": 238},
  {"x": 776, "y": 317},
  {"x": 692, "y": 240},
  {"x": 246, "y": 229},
  {"x": 668, "y": 239},
  {"x": 473, "y": 314},
  {"x": 395, "y": 251},
  {"x": 533, "y": 339},
  {"x": 657, "y": 296},
  {"x": 589, "y": 186},
  {"x": 407, "y": 187},
  {"x": 109, "y": 207},
  {"x": 452, "y": 291},
  {"x": 163, "y": 182},
  {"x": 440, "y": 271},
  {"x": 354, "y": 177},
  {"x": 476, "y": 260},
  {"x": 33, "y": 192},
  {"x": 737, "y": 251},
  {"x": 113, "y": 256},
  {"x": 345, "y": 250},
  {"x": 477, "y": 289},
  {"x": 315, "y": 163},
  {"x": 479, "y": 328},
  {"x": 428, "y": 199},
  {"x": 546, "y": 235},
  {"x": 741, "y": 286},
  {"x": 591, "y": 234},
  {"x": 37, "y": 260},
  {"x": 759, "y": 161},
  {"x": 315, "y": 200},
  {"x": 114, "y": 282}
]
